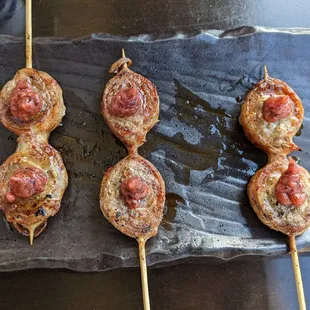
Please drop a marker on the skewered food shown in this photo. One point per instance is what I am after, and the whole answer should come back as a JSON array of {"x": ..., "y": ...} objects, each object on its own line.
[
  {"x": 271, "y": 116},
  {"x": 130, "y": 105},
  {"x": 279, "y": 195},
  {"x": 132, "y": 197},
  {"x": 33, "y": 179},
  {"x": 279, "y": 192},
  {"x": 132, "y": 193},
  {"x": 31, "y": 103}
]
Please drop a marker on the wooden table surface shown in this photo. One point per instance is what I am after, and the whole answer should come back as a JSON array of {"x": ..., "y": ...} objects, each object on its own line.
[{"x": 252, "y": 283}]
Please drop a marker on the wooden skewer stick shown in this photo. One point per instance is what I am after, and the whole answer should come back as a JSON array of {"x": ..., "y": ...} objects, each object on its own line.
[
  {"x": 142, "y": 256},
  {"x": 123, "y": 55},
  {"x": 266, "y": 75},
  {"x": 31, "y": 235},
  {"x": 298, "y": 279},
  {"x": 28, "y": 34},
  {"x": 143, "y": 268},
  {"x": 28, "y": 37},
  {"x": 31, "y": 229}
]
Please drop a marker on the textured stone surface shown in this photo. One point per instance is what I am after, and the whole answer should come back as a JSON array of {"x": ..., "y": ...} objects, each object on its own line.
[{"x": 198, "y": 145}]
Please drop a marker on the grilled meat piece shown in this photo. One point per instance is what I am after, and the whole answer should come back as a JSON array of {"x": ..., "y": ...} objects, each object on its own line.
[
  {"x": 33, "y": 179},
  {"x": 33, "y": 158},
  {"x": 132, "y": 193},
  {"x": 263, "y": 193},
  {"x": 279, "y": 193},
  {"x": 271, "y": 116},
  {"x": 31, "y": 103},
  {"x": 130, "y": 105},
  {"x": 138, "y": 211}
]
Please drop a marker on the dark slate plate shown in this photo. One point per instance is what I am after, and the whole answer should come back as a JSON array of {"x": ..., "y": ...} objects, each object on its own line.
[{"x": 198, "y": 146}]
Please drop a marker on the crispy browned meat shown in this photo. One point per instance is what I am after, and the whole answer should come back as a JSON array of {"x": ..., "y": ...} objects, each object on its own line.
[
  {"x": 279, "y": 193},
  {"x": 289, "y": 219},
  {"x": 132, "y": 193},
  {"x": 130, "y": 106},
  {"x": 28, "y": 211},
  {"x": 33, "y": 179},
  {"x": 276, "y": 136},
  {"x": 143, "y": 220},
  {"x": 31, "y": 102}
]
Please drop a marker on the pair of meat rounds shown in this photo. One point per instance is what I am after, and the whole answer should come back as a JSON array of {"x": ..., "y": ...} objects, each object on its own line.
[
  {"x": 132, "y": 193},
  {"x": 279, "y": 193},
  {"x": 33, "y": 179}
]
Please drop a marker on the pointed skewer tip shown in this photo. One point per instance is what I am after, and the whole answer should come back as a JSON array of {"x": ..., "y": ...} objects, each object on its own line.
[
  {"x": 31, "y": 237},
  {"x": 124, "y": 65},
  {"x": 265, "y": 72}
]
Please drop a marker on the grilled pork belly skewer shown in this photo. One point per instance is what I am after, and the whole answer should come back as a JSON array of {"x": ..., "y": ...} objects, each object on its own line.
[
  {"x": 271, "y": 116},
  {"x": 132, "y": 193},
  {"x": 130, "y": 105},
  {"x": 33, "y": 179},
  {"x": 279, "y": 193}
]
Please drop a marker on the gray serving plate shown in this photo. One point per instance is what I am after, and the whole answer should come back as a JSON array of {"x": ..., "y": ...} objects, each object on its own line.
[{"x": 198, "y": 145}]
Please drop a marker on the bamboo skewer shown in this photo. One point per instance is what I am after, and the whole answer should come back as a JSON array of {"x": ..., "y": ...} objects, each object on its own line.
[
  {"x": 31, "y": 229},
  {"x": 28, "y": 37},
  {"x": 123, "y": 55},
  {"x": 273, "y": 157},
  {"x": 31, "y": 235},
  {"x": 294, "y": 254},
  {"x": 266, "y": 75},
  {"x": 142, "y": 255},
  {"x": 297, "y": 273},
  {"x": 143, "y": 269},
  {"x": 28, "y": 34}
]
